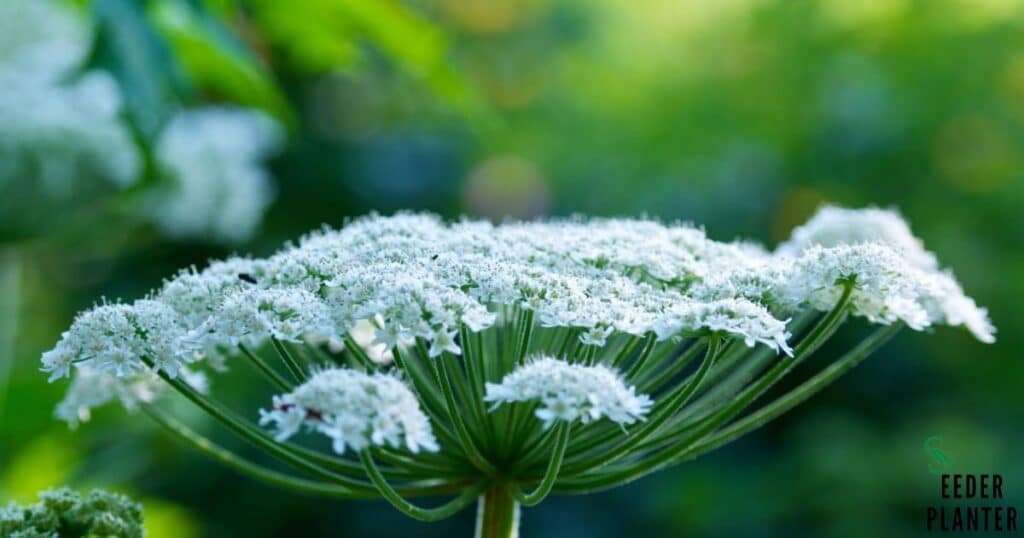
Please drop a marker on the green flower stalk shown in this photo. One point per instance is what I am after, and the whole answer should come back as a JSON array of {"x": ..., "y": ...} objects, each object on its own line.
[{"x": 405, "y": 356}]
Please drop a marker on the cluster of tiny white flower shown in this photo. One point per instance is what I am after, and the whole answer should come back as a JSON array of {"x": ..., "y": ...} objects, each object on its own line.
[
  {"x": 354, "y": 409},
  {"x": 216, "y": 187},
  {"x": 570, "y": 392},
  {"x": 413, "y": 277},
  {"x": 833, "y": 225},
  {"x": 894, "y": 278},
  {"x": 91, "y": 388},
  {"x": 56, "y": 127}
]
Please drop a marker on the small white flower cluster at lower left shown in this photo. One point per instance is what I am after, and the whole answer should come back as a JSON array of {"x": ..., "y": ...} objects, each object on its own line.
[{"x": 355, "y": 410}]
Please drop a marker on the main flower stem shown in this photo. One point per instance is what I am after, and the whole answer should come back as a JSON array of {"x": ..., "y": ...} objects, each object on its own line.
[{"x": 497, "y": 514}]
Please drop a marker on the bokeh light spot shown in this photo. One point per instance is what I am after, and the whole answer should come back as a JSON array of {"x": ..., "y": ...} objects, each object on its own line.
[
  {"x": 506, "y": 186},
  {"x": 974, "y": 154}
]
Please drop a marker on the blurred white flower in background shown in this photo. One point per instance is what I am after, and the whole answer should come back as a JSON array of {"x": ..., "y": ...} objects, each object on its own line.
[
  {"x": 59, "y": 135},
  {"x": 41, "y": 39},
  {"x": 62, "y": 139},
  {"x": 215, "y": 187},
  {"x": 59, "y": 130}
]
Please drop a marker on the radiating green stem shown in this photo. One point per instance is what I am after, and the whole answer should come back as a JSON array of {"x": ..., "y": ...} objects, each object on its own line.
[
  {"x": 615, "y": 477},
  {"x": 796, "y": 396},
  {"x": 423, "y": 514},
  {"x": 269, "y": 373},
  {"x": 248, "y": 468},
  {"x": 551, "y": 474},
  {"x": 671, "y": 370},
  {"x": 497, "y": 514},
  {"x": 471, "y": 357},
  {"x": 736, "y": 371},
  {"x": 359, "y": 353},
  {"x": 289, "y": 361},
  {"x": 256, "y": 436},
  {"x": 428, "y": 395},
  {"x": 628, "y": 348},
  {"x": 649, "y": 355},
  {"x": 455, "y": 413}
]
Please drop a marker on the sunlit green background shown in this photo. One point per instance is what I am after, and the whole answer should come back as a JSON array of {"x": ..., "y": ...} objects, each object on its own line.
[{"x": 740, "y": 115}]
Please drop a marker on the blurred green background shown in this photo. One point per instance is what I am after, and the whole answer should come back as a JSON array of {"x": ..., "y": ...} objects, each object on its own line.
[{"x": 740, "y": 115}]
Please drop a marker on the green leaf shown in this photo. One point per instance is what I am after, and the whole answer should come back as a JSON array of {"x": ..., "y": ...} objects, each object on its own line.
[
  {"x": 128, "y": 47},
  {"x": 215, "y": 60}
]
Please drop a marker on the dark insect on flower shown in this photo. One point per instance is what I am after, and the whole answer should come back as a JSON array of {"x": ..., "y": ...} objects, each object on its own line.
[{"x": 247, "y": 278}]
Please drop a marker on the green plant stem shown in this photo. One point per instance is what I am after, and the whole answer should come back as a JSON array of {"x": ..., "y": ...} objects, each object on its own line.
[
  {"x": 468, "y": 446},
  {"x": 676, "y": 366},
  {"x": 269, "y": 373},
  {"x": 625, "y": 474},
  {"x": 359, "y": 353},
  {"x": 597, "y": 437},
  {"x": 649, "y": 344},
  {"x": 517, "y": 415},
  {"x": 796, "y": 396},
  {"x": 289, "y": 361},
  {"x": 423, "y": 514},
  {"x": 471, "y": 356},
  {"x": 551, "y": 474},
  {"x": 497, "y": 514},
  {"x": 737, "y": 371},
  {"x": 624, "y": 354},
  {"x": 246, "y": 467},
  {"x": 671, "y": 405},
  {"x": 428, "y": 396},
  {"x": 258, "y": 437}
]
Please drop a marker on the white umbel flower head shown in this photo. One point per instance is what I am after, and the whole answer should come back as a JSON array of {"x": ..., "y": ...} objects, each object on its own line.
[
  {"x": 833, "y": 225},
  {"x": 413, "y": 280},
  {"x": 355, "y": 410},
  {"x": 895, "y": 277},
  {"x": 113, "y": 338},
  {"x": 570, "y": 392},
  {"x": 251, "y": 316},
  {"x": 212, "y": 160}
]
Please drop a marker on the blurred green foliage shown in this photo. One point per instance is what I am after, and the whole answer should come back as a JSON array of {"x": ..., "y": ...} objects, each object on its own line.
[{"x": 742, "y": 115}]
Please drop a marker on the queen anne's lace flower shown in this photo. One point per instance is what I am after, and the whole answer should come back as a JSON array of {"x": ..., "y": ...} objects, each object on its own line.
[
  {"x": 413, "y": 280},
  {"x": 895, "y": 278},
  {"x": 212, "y": 162},
  {"x": 114, "y": 337},
  {"x": 832, "y": 226},
  {"x": 570, "y": 392},
  {"x": 355, "y": 410},
  {"x": 250, "y": 316}
]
